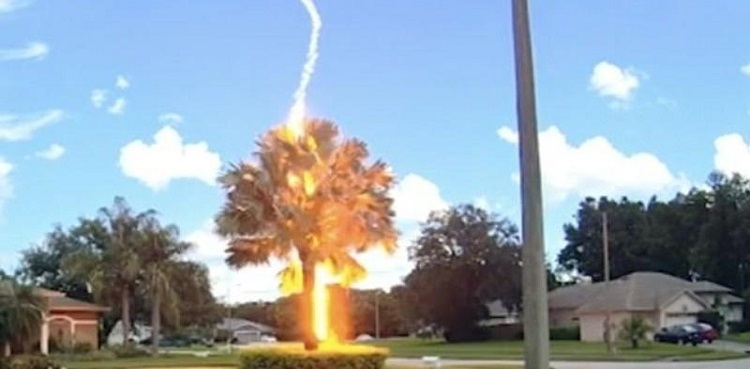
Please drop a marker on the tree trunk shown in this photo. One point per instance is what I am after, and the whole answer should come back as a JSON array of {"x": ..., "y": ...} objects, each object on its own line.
[
  {"x": 634, "y": 342},
  {"x": 125, "y": 316},
  {"x": 155, "y": 321},
  {"x": 308, "y": 283},
  {"x": 6, "y": 349}
]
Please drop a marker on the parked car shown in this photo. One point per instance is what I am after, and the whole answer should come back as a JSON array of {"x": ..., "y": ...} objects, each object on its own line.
[
  {"x": 707, "y": 332},
  {"x": 679, "y": 334}
]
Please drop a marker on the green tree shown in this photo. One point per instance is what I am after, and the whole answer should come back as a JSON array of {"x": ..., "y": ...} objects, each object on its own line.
[
  {"x": 310, "y": 198},
  {"x": 114, "y": 268},
  {"x": 634, "y": 330},
  {"x": 468, "y": 257},
  {"x": 20, "y": 314},
  {"x": 197, "y": 308},
  {"x": 159, "y": 250}
]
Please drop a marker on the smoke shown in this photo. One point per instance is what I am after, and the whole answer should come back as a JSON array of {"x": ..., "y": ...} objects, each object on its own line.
[{"x": 297, "y": 112}]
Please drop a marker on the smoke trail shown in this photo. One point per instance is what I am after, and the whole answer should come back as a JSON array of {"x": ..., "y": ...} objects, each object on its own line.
[{"x": 297, "y": 112}]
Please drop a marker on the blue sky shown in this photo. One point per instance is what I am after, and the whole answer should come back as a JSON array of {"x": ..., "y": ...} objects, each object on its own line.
[{"x": 633, "y": 100}]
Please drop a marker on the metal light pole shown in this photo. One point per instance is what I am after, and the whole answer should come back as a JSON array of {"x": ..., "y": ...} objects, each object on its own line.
[{"x": 536, "y": 320}]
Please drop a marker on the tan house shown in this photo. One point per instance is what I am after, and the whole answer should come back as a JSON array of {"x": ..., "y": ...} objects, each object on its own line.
[
  {"x": 661, "y": 299},
  {"x": 67, "y": 321}
]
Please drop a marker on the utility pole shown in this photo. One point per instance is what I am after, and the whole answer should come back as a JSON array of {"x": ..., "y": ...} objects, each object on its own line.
[
  {"x": 535, "y": 314},
  {"x": 605, "y": 246},
  {"x": 377, "y": 314}
]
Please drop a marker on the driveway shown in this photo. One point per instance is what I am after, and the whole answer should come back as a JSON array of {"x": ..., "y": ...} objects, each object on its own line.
[
  {"x": 729, "y": 346},
  {"x": 730, "y": 364}
]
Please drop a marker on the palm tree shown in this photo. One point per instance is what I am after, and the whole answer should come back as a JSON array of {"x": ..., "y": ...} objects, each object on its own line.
[
  {"x": 159, "y": 252},
  {"x": 307, "y": 200},
  {"x": 20, "y": 313},
  {"x": 113, "y": 268},
  {"x": 634, "y": 329}
]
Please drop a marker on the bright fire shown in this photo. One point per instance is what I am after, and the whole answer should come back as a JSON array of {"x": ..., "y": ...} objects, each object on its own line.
[{"x": 322, "y": 304}]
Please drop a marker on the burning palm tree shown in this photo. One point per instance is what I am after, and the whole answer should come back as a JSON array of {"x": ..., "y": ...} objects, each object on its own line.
[{"x": 311, "y": 200}]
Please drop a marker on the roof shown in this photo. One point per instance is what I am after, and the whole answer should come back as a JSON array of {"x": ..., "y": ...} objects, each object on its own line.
[
  {"x": 235, "y": 324},
  {"x": 639, "y": 291},
  {"x": 69, "y": 304}
]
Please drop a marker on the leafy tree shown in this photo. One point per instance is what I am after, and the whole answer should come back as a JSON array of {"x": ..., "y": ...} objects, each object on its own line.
[
  {"x": 309, "y": 199},
  {"x": 365, "y": 303},
  {"x": 468, "y": 258},
  {"x": 197, "y": 307},
  {"x": 20, "y": 313},
  {"x": 633, "y": 330},
  {"x": 159, "y": 250},
  {"x": 113, "y": 269}
]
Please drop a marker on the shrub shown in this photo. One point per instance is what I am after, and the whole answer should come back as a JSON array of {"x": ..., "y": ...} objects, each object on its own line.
[
  {"x": 565, "y": 334},
  {"x": 467, "y": 334},
  {"x": 506, "y": 332},
  {"x": 121, "y": 351},
  {"x": 350, "y": 357},
  {"x": 31, "y": 362}
]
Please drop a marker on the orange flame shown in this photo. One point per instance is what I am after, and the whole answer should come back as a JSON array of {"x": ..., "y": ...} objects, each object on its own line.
[{"x": 322, "y": 304}]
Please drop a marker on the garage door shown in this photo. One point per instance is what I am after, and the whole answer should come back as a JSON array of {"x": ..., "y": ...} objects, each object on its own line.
[{"x": 678, "y": 319}]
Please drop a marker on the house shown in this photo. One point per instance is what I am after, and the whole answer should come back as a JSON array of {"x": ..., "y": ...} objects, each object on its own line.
[
  {"x": 662, "y": 300},
  {"x": 67, "y": 321},
  {"x": 244, "y": 331},
  {"x": 499, "y": 314},
  {"x": 138, "y": 333}
]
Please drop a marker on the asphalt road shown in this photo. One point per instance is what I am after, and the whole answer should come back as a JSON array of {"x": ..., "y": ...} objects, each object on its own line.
[{"x": 730, "y": 364}]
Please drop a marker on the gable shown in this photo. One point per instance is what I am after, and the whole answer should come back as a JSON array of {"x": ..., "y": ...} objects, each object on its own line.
[{"x": 685, "y": 302}]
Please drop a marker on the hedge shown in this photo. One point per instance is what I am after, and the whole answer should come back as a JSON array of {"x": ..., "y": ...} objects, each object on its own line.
[
  {"x": 28, "y": 362},
  {"x": 343, "y": 357}
]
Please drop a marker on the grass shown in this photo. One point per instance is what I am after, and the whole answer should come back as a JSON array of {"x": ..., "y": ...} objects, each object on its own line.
[
  {"x": 738, "y": 337},
  {"x": 559, "y": 350}
]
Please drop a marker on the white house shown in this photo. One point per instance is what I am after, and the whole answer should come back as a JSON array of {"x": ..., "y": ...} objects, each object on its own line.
[{"x": 662, "y": 300}]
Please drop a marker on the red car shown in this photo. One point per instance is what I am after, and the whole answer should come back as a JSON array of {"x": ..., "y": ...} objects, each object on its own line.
[{"x": 707, "y": 333}]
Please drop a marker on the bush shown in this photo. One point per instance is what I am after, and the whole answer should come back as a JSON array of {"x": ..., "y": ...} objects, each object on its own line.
[
  {"x": 351, "y": 357},
  {"x": 121, "y": 351},
  {"x": 467, "y": 334},
  {"x": 565, "y": 334},
  {"x": 31, "y": 362},
  {"x": 506, "y": 332}
]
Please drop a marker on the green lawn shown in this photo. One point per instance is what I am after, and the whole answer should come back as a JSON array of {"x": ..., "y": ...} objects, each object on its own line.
[
  {"x": 560, "y": 350},
  {"x": 739, "y": 337}
]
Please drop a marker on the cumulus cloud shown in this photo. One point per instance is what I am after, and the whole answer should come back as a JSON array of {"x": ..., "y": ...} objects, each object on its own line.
[
  {"x": 508, "y": 134},
  {"x": 415, "y": 196},
  {"x": 609, "y": 80},
  {"x": 33, "y": 51},
  {"x": 19, "y": 128},
  {"x": 732, "y": 155},
  {"x": 53, "y": 152},
  {"x": 171, "y": 118},
  {"x": 118, "y": 107},
  {"x": 6, "y": 189},
  {"x": 7, "y": 6},
  {"x": 168, "y": 158},
  {"x": 745, "y": 69},
  {"x": 122, "y": 82},
  {"x": 98, "y": 97},
  {"x": 596, "y": 167}
]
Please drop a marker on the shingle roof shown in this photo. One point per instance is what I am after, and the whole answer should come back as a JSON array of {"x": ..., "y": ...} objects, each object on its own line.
[
  {"x": 644, "y": 291},
  {"x": 234, "y": 324},
  {"x": 66, "y": 303}
]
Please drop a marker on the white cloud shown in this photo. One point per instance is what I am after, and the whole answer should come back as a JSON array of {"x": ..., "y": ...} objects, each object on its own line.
[
  {"x": 745, "y": 69},
  {"x": 34, "y": 50},
  {"x": 609, "y": 80},
  {"x": 482, "y": 202},
  {"x": 596, "y": 167},
  {"x": 118, "y": 107},
  {"x": 98, "y": 98},
  {"x": 168, "y": 159},
  {"x": 415, "y": 197},
  {"x": 6, "y": 189},
  {"x": 7, "y": 6},
  {"x": 122, "y": 82},
  {"x": 18, "y": 128},
  {"x": 732, "y": 155},
  {"x": 53, "y": 152},
  {"x": 508, "y": 134},
  {"x": 171, "y": 118}
]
